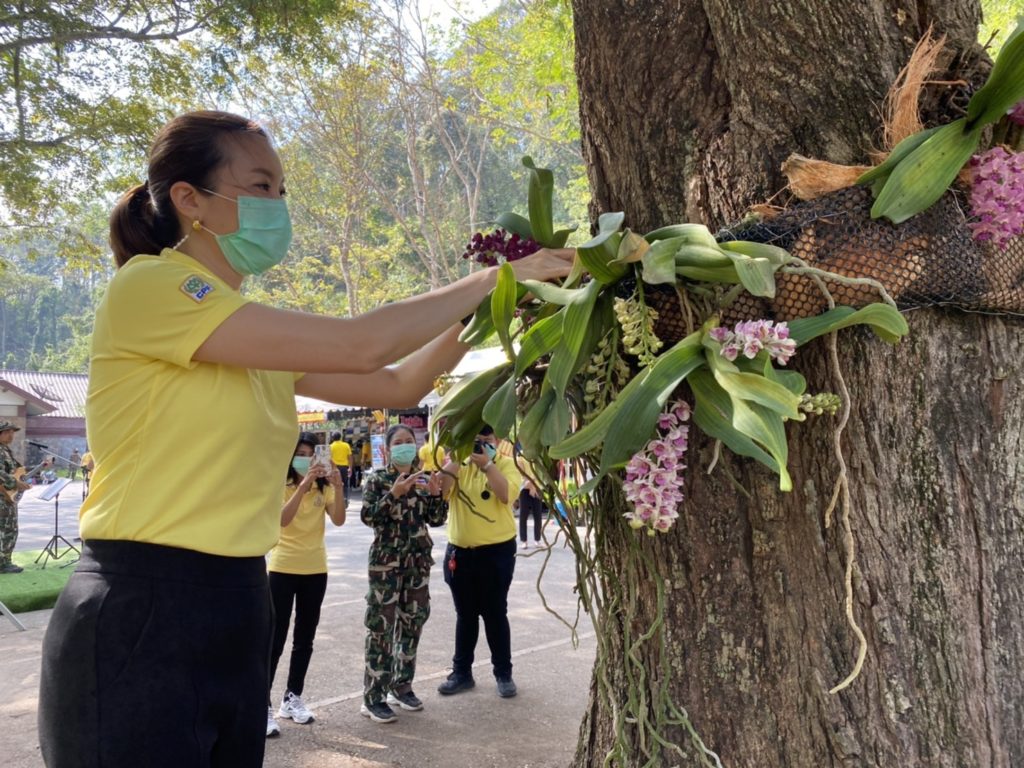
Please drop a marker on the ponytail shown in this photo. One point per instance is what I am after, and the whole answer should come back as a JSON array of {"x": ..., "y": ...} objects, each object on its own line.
[
  {"x": 190, "y": 148},
  {"x": 137, "y": 227}
]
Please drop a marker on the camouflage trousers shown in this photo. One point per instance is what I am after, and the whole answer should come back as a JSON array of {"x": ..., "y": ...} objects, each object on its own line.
[
  {"x": 8, "y": 529},
  {"x": 397, "y": 607}
]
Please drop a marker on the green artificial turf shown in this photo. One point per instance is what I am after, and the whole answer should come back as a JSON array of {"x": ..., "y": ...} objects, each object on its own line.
[{"x": 36, "y": 587}]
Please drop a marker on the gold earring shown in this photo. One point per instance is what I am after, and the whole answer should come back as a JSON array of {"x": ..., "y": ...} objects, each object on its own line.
[{"x": 197, "y": 225}]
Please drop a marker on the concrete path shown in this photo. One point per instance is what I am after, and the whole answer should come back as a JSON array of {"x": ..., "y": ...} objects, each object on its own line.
[{"x": 536, "y": 729}]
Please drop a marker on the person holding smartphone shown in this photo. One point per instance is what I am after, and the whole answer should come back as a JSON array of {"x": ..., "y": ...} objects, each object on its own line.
[
  {"x": 480, "y": 559},
  {"x": 298, "y": 568},
  {"x": 399, "y": 502}
]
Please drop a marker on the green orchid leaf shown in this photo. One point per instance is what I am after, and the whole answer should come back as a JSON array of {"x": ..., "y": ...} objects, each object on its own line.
[
  {"x": 551, "y": 293},
  {"x": 556, "y": 425},
  {"x": 574, "y": 329},
  {"x": 503, "y": 307},
  {"x": 756, "y": 275},
  {"x": 500, "y": 409},
  {"x": 468, "y": 390},
  {"x": 701, "y": 255},
  {"x": 560, "y": 236},
  {"x": 636, "y": 417},
  {"x": 696, "y": 234},
  {"x": 712, "y": 414},
  {"x": 881, "y": 171},
  {"x": 542, "y": 185},
  {"x": 529, "y": 434},
  {"x": 709, "y": 274},
  {"x": 540, "y": 340},
  {"x": 758, "y": 389},
  {"x": 462, "y": 414},
  {"x": 516, "y": 224},
  {"x": 791, "y": 380},
  {"x": 1005, "y": 84},
  {"x": 926, "y": 173},
  {"x": 592, "y": 434},
  {"x": 886, "y": 321},
  {"x": 763, "y": 425},
  {"x": 480, "y": 327},
  {"x": 777, "y": 256},
  {"x": 598, "y": 256},
  {"x": 610, "y": 222},
  {"x": 659, "y": 263},
  {"x": 767, "y": 428}
]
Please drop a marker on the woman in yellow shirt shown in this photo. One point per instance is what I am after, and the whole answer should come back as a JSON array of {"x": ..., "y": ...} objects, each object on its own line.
[
  {"x": 157, "y": 646},
  {"x": 298, "y": 570}
]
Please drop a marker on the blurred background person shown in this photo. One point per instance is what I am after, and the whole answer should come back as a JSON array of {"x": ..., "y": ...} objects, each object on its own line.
[{"x": 341, "y": 455}]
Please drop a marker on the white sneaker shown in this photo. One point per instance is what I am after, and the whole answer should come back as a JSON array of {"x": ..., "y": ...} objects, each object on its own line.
[
  {"x": 273, "y": 729},
  {"x": 293, "y": 707},
  {"x": 525, "y": 545}
]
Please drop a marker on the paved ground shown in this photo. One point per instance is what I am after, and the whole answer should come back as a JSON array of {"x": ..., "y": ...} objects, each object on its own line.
[{"x": 537, "y": 729}]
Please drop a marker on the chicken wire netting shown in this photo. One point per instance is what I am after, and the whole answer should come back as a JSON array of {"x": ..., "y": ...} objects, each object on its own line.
[{"x": 928, "y": 260}]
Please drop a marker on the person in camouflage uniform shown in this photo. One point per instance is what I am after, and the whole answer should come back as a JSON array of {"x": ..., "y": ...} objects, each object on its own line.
[
  {"x": 399, "y": 502},
  {"x": 8, "y": 507}
]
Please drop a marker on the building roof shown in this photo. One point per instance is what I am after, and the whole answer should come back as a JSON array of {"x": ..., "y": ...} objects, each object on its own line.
[{"x": 64, "y": 391}]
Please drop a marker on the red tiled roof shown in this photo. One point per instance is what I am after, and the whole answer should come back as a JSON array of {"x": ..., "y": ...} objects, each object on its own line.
[{"x": 65, "y": 391}]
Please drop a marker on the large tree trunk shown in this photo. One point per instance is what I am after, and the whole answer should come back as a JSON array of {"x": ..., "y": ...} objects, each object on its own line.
[{"x": 688, "y": 109}]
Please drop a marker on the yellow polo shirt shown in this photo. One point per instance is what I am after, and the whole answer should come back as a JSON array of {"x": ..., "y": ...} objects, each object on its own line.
[
  {"x": 426, "y": 454},
  {"x": 341, "y": 452},
  {"x": 493, "y": 522},
  {"x": 301, "y": 549},
  {"x": 188, "y": 454}
]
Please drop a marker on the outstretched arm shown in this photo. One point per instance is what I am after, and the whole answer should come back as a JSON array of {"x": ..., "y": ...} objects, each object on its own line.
[
  {"x": 400, "y": 387},
  {"x": 265, "y": 338}
]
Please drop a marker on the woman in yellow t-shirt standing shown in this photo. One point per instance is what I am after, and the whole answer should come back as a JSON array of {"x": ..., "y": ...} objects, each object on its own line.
[
  {"x": 298, "y": 570},
  {"x": 156, "y": 651}
]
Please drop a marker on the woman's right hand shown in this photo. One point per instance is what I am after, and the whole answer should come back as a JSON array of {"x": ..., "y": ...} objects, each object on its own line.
[
  {"x": 546, "y": 264},
  {"x": 403, "y": 483},
  {"x": 315, "y": 471}
]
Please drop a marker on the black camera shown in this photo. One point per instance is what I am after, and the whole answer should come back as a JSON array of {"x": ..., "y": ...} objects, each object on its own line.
[{"x": 478, "y": 446}]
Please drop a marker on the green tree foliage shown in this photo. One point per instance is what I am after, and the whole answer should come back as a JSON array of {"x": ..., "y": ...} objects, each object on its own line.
[
  {"x": 85, "y": 84},
  {"x": 999, "y": 17}
]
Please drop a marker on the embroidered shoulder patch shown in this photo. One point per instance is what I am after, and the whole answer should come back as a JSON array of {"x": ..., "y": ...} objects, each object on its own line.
[{"x": 196, "y": 288}]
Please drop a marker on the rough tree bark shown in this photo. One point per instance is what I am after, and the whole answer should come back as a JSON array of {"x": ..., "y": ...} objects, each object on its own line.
[{"x": 688, "y": 109}]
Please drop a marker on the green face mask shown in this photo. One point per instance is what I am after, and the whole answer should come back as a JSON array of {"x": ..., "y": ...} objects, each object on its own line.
[
  {"x": 301, "y": 464},
  {"x": 403, "y": 454},
  {"x": 263, "y": 236}
]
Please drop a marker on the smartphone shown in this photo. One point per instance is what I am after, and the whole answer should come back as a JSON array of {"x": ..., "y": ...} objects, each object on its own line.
[{"x": 322, "y": 456}]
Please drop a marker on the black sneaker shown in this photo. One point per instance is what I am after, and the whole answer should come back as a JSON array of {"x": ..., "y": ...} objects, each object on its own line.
[
  {"x": 379, "y": 712},
  {"x": 506, "y": 688},
  {"x": 408, "y": 701},
  {"x": 455, "y": 683},
  {"x": 11, "y": 568}
]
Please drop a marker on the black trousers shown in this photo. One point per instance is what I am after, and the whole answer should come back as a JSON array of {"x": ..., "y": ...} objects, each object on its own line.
[
  {"x": 156, "y": 656},
  {"x": 479, "y": 583},
  {"x": 530, "y": 506},
  {"x": 306, "y": 593}
]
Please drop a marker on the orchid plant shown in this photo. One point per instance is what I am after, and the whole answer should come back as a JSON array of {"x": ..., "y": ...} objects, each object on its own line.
[{"x": 586, "y": 376}]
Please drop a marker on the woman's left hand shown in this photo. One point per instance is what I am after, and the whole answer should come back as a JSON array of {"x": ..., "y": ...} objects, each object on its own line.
[{"x": 434, "y": 484}]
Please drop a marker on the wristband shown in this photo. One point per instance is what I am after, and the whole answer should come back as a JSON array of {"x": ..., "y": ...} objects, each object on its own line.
[{"x": 487, "y": 466}]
